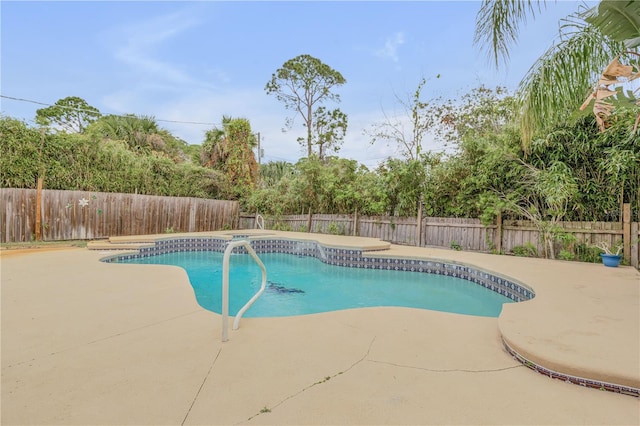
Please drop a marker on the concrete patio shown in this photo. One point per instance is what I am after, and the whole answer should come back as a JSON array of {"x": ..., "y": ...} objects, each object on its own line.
[{"x": 86, "y": 342}]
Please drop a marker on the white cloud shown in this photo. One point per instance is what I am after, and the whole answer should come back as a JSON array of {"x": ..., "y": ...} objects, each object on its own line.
[
  {"x": 390, "y": 48},
  {"x": 136, "y": 45}
]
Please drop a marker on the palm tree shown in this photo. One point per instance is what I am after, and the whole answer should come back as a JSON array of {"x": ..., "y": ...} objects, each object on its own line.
[
  {"x": 140, "y": 132},
  {"x": 556, "y": 84},
  {"x": 230, "y": 150},
  {"x": 274, "y": 171},
  {"x": 219, "y": 142}
]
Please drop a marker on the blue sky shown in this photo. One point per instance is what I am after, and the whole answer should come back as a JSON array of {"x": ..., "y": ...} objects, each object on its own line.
[{"x": 198, "y": 61}]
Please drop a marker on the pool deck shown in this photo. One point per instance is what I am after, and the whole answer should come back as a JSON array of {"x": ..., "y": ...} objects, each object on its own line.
[{"x": 87, "y": 342}]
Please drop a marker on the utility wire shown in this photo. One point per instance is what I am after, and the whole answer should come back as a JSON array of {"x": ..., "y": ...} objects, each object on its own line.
[{"x": 116, "y": 115}]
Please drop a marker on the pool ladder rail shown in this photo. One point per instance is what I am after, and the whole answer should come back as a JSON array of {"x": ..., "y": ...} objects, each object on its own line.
[
  {"x": 259, "y": 221},
  {"x": 225, "y": 286}
]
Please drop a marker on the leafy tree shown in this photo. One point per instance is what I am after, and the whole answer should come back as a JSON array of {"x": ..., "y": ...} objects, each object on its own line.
[
  {"x": 463, "y": 184},
  {"x": 369, "y": 196},
  {"x": 406, "y": 131},
  {"x": 191, "y": 153},
  {"x": 72, "y": 114},
  {"x": 333, "y": 185},
  {"x": 302, "y": 85},
  {"x": 20, "y": 154},
  {"x": 277, "y": 198},
  {"x": 308, "y": 185},
  {"x": 546, "y": 201},
  {"x": 79, "y": 162},
  {"x": 480, "y": 125},
  {"x": 404, "y": 183},
  {"x": 477, "y": 114},
  {"x": 341, "y": 189},
  {"x": 330, "y": 129}
]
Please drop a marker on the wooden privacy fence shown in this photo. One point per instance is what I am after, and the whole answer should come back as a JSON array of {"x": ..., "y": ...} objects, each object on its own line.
[
  {"x": 85, "y": 215},
  {"x": 458, "y": 233}
]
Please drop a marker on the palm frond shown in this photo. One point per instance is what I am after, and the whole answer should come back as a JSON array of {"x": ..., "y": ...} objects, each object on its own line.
[
  {"x": 555, "y": 86},
  {"x": 498, "y": 22}
]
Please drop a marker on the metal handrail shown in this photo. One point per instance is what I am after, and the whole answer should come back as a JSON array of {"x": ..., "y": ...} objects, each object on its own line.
[
  {"x": 225, "y": 286},
  {"x": 259, "y": 221}
]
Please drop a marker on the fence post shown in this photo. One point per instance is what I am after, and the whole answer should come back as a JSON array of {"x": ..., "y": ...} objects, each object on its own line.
[
  {"x": 39, "y": 210},
  {"x": 309, "y": 221},
  {"x": 419, "y": 222},
  {"x": 635, "y": 254},
  {"x": 355, "y": 223},
  {"x": 626, "y": 232},
  {"x": 497, "y": 240}
]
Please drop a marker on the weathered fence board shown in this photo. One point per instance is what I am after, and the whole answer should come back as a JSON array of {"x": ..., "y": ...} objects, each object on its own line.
[
  {"x": 466, "y": 234},
  {"x": 84, "y": 215}
]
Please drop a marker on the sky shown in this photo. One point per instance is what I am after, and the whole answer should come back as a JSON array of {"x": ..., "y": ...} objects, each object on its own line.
[{"x": 196, "y": 62}]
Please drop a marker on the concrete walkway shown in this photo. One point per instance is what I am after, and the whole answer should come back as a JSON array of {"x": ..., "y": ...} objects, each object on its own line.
[{"x": 85, "y": 342}]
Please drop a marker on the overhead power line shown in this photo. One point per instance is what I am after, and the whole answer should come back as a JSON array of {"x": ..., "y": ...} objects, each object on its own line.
[{"x": 116, "y": 115}]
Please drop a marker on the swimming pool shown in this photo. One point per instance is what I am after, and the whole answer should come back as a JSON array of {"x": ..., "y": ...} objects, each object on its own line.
[{"x": 302, "y": 284}]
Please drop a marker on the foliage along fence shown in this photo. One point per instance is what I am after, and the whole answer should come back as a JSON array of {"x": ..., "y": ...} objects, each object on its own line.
[
  {"x": 504, "y": 236},
  {"x": 85, "y": 215}
]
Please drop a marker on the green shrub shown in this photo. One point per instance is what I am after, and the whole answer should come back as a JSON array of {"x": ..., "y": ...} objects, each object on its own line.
[
  {"x": 335, "y": 229},
  {"x": 279, "y": 226},
  {"x": 587, "y": 253},
  {"x": 566, "y": 255},
  {"x": 527, "y": 250},
  {"x": 456, "y": 246}
]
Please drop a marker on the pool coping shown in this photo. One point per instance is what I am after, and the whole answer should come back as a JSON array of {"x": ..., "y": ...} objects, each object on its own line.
[{"x": 361, "y": 252}]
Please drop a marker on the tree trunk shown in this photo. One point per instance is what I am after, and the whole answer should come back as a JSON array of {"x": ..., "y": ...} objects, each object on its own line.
[{"x": 550, "y": 252}]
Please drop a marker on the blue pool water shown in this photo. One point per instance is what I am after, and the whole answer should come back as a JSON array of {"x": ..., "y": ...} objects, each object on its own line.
[{"x": 299, "y": 285}]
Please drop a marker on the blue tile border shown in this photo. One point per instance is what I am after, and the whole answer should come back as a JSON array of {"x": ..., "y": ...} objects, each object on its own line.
[
  {"x": 568, "y": 378},
  {"x": 348, "y": 257}
]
